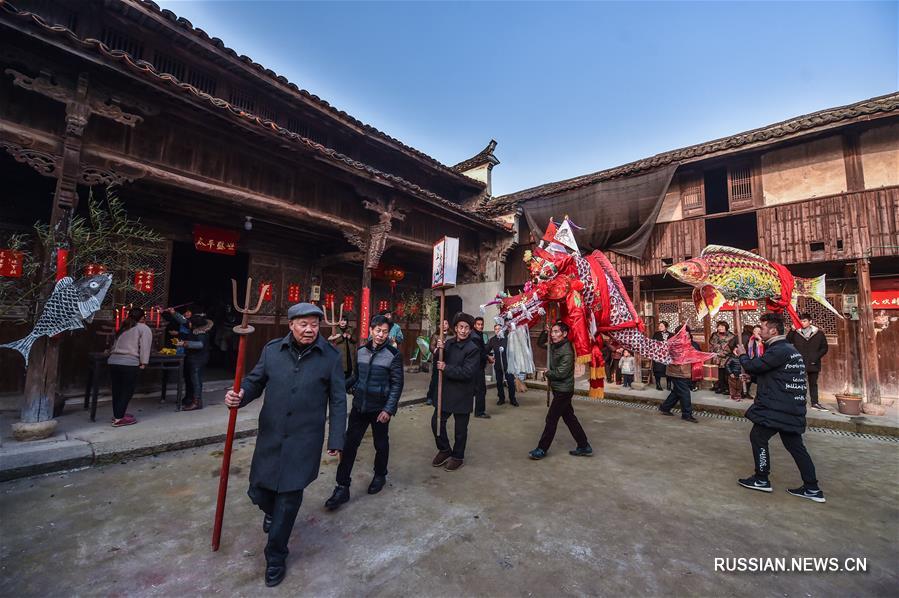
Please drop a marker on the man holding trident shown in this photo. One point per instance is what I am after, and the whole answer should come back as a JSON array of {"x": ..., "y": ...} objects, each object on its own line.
[{"x": 302, "y": 375}]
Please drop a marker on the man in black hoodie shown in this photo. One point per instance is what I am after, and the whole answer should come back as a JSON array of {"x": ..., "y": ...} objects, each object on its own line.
[
  {"x": 376, "y": 385},
  {"x": 779, "y": 408},
  {"x": 812, "y": 345}
]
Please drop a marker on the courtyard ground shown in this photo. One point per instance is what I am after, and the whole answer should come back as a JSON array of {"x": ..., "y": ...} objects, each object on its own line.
[{"x": 647, "y": 515}]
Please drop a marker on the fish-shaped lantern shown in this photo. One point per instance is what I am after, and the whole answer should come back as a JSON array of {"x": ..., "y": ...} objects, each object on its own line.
[
  {"x": 723, "y": 274},
  {"x": 70, "y": 305}
]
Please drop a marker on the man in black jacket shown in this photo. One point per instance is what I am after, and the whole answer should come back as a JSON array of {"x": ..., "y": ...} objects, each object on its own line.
[
  {"x": 779, "y": 408},
  {"x": 376, "y": 385},
  {"x": 498, "y": 347},
  {"x": 461, "y": 364},
  {"x": 480, "y": 385},
  {"x": 812, "y": 345},
  {"x": 302, "y": 377}
]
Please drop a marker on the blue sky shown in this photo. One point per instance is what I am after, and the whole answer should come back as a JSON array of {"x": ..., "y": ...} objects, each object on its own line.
[{"x": 565, "y": 88}]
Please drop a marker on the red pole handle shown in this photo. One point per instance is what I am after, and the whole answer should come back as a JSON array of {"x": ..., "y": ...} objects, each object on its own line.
[{"x": 226, "y": 456}]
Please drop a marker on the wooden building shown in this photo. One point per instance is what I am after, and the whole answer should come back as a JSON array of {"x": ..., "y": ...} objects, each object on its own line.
[
  {"x": 198, "y": 138},
  {"x": 819, "y": 193}
]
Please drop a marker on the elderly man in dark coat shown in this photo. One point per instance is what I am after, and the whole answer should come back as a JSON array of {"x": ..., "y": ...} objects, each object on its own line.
[
  {"x": 779, "y": 408},
  {"x": 302, "y": 375},
  {"x": 460, "y": 365}
]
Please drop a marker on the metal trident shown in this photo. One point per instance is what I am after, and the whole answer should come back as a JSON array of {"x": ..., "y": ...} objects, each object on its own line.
[
  {"x": 332, "y": 322},
  {"x": 243, "y": 330}
]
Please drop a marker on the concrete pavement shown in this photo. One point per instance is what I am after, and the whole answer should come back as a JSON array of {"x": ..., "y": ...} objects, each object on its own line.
[{"x": 648, "y": 515}]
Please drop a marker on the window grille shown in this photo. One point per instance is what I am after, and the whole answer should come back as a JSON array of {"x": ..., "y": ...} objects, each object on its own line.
[
  {"x": 202, "y": 81},
  {"x": 116, "y": 40},
  {"x": 741, "y": 183},
  {"x": 167, "y": 64},
  {"x": 242, "y": 99}
]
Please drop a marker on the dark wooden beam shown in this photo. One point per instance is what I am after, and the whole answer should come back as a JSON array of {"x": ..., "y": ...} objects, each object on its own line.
[
  {"x": 852, "y": 158},
  {"x": 867, "y": 338}
]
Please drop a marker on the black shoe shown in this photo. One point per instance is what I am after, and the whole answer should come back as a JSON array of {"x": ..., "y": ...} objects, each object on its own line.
[
  {"x": 483, "y": 415},
  {"x": 514, "y": 403},
  {"x": 501, "y": 402},
  {"x": 582, "y": 451},
  {"x": 377, "y": 484},
  {"x": 658, "y": 386},
  {"x": 754, "y": 483},
  {"x": 266, "y": 523},
  {"x": 429, "y": 403},
  {"x": 340, "y": 496},
  {"x": 666, "y": 412},
  {"x": 690, "y": 419},
  {"x": 537, "y": 454},
  {"x": 274, "y": 574},
  {"x": 806, "y": 492}
]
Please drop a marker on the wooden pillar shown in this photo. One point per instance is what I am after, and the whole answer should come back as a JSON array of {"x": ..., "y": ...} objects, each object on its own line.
[
  {"x": 42, "y": 399},
  {"x": 868, "y": 353}
]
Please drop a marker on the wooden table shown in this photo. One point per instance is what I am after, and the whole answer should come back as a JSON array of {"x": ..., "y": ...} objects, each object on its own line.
[{"x": 165, "y": 363}]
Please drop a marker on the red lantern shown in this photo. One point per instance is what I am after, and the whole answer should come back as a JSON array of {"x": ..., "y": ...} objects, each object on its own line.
[
  {"x": 143, "y": 281},
  {"x": 293, "y": 293},
  {"x": 94, "y": 269},
  {"x": 11, "y": 263},
  {"x": 267, "y": 296},
  {"x": 394, "y": 274},
  {"x": 348, "y": 301},
  {"x": 329, "y": 300}
]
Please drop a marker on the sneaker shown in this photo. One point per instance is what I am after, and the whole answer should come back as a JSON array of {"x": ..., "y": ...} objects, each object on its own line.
[
  {"x": 582, "y": 451},
  {"x": 514, "y": 403},
  {"x": 537, "y": 454},
  {"x": 125, "y": 421},
  {"x": 453, "y": 464},
  {"x": 341, "y": 495},
  {"x": 754, "y": 483},
  {"x": 806, "y": 492},
  {"x": 441, "y": 458},
  {"x": 819, "y": 407}
]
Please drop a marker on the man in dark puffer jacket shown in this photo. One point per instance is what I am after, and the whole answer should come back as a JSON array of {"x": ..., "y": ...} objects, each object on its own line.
[
  {"x": 376, "y": 385},
  {"x": 779, "y": 408}
]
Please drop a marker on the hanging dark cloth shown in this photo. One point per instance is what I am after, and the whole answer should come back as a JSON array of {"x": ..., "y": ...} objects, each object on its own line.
[{"x": 616, "y": 214}]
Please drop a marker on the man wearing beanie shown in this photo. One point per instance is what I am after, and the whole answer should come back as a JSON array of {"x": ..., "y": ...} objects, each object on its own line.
[{"x": 460, "y": 364}]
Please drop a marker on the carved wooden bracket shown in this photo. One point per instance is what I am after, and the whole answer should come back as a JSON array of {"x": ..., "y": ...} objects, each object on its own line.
[
  {"x": 44, "y": 163},
  {"x": 79, "y": 105},
  {"x": 116, "y": 175},
  {"x": 374, "y": 241}
]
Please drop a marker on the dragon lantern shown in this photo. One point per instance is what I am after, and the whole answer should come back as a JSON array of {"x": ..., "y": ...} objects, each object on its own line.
[{"x": 592, "y": 302}]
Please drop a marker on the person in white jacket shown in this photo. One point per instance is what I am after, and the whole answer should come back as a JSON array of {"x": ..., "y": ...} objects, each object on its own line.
[{"x": 130, "y": 354}]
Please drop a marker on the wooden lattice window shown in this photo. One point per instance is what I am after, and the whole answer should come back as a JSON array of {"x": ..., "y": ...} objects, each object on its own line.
[
  {"x": 167, "y": 64},
  {"x": 202, "y": 81},
  {"x": 822, "y": 317},
  {"x": 739, "y": 188},
  {"x": 116, "y": 40},
  {"x": 691, "y": 194},
  {"x": 242, "y": 99}
]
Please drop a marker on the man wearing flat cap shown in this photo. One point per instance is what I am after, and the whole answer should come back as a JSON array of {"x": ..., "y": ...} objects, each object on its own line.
[
  {"x": 460, "y": 365},
  {"x": 302, "y": 376}
]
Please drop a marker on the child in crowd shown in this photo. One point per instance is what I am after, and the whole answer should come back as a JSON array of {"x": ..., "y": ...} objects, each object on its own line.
[
  {"x": 628, "y": 366},
  {"x": 734, "y": 378}
]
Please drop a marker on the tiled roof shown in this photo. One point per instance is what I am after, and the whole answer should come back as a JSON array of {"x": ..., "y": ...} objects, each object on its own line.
[
  {"x": 881, "y": 105},
  {"x": 281, "y": 81},
  {"x": 483, "y": 157},
  {"x": 148, "y": 70}
]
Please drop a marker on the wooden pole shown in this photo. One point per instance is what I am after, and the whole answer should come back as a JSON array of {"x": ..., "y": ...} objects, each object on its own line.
[
  {"x": 440, "y": 357},
  {"x": 868, "y": 354},
  {"x": 549, "y": 349},
  {"x": 738, "y": 324}
]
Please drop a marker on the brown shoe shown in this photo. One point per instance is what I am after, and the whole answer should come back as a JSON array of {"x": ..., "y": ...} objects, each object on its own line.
[
  {"x": 192, "y": 406},
  {"x": 453, "y": 464},
  {"x": 441, "y": 458}
]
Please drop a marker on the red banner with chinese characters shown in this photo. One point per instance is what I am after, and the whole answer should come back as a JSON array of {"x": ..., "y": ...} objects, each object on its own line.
[
  {"x": 365, "y": 308},
  {"x": 267, "y": 285},
  {"x": 348, "y": 302},
  {"x": 329, "y": 300},
  {"x": 11, "y": 263},
  {"x": 94, "y": 269},
  {"x": 744, "y": 304},
  {"x": 215, "y": 240},
  {"x": 143, "y": 281},
  {"x": 885, "y": 299},
  {"x": 293, "y": 293}
]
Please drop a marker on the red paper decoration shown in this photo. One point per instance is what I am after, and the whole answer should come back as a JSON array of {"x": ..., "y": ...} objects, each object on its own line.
[
  {"x": 400, "y": 309},
  {"x": 94, "y": 269},
  {"x": 329, "y": 300},
  {"x": 383, "y": 305},
  {"x": 10, "y": 263},
  {"x": 267, "y": 285},
  {"x": 293, "y": 293},
  {"x": 348, "y": 301},
  {"x": 143, "y": 281},
  {"x": 215, "y": 240}
]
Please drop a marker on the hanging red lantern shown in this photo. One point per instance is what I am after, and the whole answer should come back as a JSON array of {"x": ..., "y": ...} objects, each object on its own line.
[
  {"x": 11, "y": 263},
  {"x": 329, "y": 300},
  {"x": 394, "y": 274},
  {"x": 293, "y": 293},
  {"x": 348, "y": 301}
]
